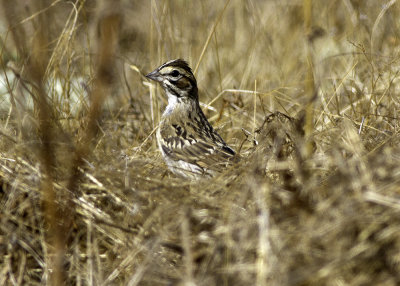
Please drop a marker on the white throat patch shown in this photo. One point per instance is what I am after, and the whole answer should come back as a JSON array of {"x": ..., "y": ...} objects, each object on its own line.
[{"x": 172, "y": 102}]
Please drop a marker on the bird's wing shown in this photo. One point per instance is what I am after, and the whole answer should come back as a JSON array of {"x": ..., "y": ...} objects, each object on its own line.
[{"x": 208, "y": 151}]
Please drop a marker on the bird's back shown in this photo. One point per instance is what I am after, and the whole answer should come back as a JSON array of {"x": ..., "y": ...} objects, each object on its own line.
[{"x": 190, "y": 145}]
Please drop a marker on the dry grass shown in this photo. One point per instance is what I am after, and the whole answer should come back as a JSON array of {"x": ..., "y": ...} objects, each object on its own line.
[{"x": 86, "y": 199}]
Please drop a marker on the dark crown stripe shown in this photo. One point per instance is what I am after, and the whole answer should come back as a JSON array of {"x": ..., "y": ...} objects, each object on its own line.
[{"x": 178, "y": 63}]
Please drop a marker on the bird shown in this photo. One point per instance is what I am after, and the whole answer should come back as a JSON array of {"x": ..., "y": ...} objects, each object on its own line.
[{"x": 190, "y": 146}]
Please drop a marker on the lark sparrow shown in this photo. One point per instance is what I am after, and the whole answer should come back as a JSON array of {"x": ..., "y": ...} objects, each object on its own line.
[{"x": 189, "y": 144}]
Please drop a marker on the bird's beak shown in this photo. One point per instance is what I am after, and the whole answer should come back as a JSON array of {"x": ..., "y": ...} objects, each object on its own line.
[{"x": 155, "y": 75}]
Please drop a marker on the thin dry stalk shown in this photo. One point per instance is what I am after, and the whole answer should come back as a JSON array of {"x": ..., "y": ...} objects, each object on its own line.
[{"x": 206, "y": 43}]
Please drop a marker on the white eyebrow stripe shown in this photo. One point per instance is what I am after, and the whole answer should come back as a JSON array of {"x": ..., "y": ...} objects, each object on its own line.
[{"x": 166, "y": 70}]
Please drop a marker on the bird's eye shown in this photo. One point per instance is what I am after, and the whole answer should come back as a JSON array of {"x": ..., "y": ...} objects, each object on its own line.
[{"x": 174, "y": 73}]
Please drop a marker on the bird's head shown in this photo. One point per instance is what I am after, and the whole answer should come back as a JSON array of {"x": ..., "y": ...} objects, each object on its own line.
[{"x": 177, "y": 79}]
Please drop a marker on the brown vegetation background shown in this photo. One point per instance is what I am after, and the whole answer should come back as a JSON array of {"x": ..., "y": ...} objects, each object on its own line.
[{"x": 86, "y": 198}]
